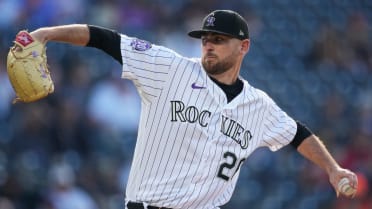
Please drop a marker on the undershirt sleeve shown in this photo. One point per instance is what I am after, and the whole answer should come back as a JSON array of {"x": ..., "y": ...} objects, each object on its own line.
[
  {"x": 106, "y": 40},
  {"x": 302, "y": 133}
]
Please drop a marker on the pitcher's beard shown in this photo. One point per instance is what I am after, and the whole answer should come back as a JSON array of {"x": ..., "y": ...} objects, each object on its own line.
[{"x": 219, "y": 67}]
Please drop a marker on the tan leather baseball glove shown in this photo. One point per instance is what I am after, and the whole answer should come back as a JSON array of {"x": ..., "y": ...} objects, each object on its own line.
[{"x": 28, "y": 70}]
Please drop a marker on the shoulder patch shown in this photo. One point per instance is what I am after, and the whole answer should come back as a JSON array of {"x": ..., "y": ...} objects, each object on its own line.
[{"x": 140, "y": 45}]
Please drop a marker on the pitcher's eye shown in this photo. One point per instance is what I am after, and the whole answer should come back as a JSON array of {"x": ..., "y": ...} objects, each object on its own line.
[
  {"x": 214, "y": 40},
  {"x": 204, "y": 40}
]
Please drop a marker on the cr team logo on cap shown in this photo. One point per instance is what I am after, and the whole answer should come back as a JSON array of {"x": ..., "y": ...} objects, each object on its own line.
[
  {"x": 210, "y": 20},
  {"x": 226, "y": 22}
]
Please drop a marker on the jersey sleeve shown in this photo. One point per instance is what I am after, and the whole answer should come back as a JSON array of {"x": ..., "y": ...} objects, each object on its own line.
[
  {"x": 147, "y": 65},
  {"x": 279, "y": 128},
  {"x": 106, "y": 40}
]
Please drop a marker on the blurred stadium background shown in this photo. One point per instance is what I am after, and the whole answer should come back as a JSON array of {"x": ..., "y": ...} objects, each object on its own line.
[{"x": 73, "y": 149}]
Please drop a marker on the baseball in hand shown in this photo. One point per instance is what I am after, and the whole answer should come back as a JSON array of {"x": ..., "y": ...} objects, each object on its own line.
[{"x": 345, "y": 188}]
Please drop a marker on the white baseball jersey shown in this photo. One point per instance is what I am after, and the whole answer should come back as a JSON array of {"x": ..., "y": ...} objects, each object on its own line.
[{"x": 191, "y": 141}]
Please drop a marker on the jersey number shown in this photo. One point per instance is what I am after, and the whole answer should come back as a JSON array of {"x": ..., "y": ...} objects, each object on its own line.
[{"x": 230, "y": 164}]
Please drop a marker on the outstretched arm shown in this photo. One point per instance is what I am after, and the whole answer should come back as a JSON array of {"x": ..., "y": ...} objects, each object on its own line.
[
  {"x": 313, "y": 149},
  {"x": 77, "y": 34},
  {"x": 83, "y": 35}
]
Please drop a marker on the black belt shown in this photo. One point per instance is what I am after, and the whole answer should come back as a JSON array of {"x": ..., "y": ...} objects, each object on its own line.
[{"x": 137, "y": 205}]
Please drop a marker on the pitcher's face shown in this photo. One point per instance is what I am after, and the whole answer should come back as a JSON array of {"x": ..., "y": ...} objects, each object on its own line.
[{"x": 219, "y": 53}]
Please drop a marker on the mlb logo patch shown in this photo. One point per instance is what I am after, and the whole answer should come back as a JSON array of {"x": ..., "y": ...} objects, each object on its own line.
[{"x": 140, "y": 45}]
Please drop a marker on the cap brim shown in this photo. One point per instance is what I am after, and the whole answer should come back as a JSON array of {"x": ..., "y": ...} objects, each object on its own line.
[{"x": 199, "y": 33}]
